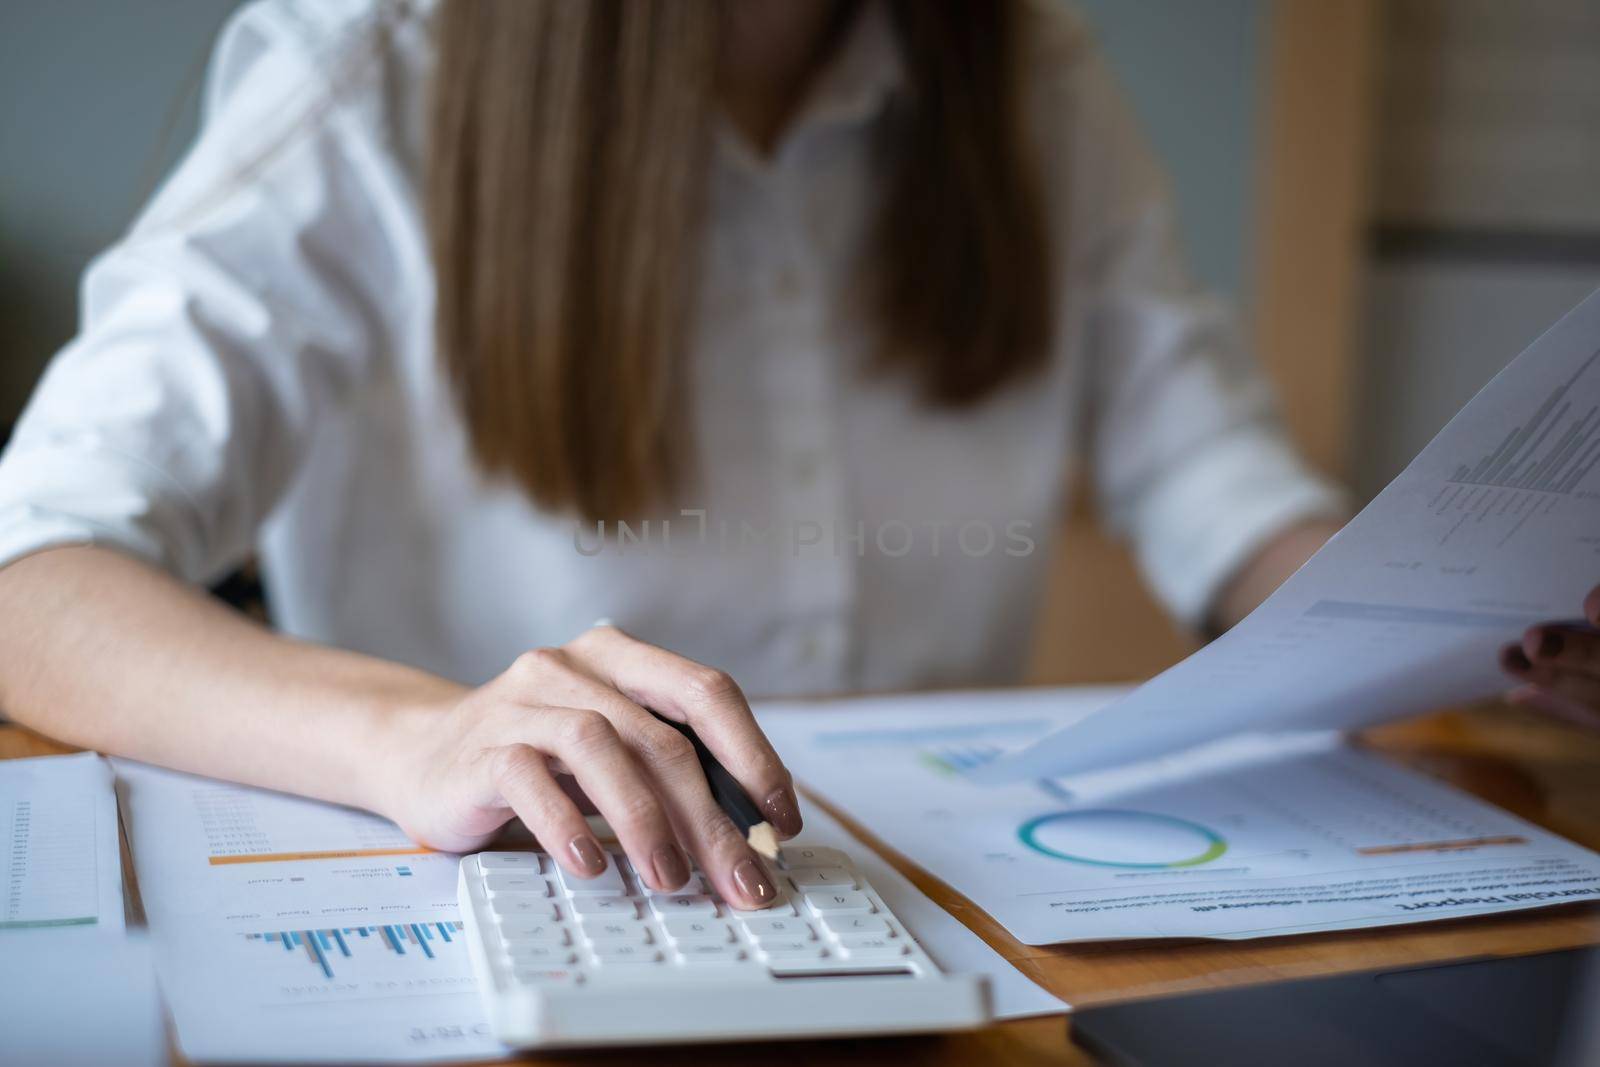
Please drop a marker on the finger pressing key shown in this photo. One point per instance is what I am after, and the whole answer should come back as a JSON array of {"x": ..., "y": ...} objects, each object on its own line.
[{"x": 710, "y": 702}]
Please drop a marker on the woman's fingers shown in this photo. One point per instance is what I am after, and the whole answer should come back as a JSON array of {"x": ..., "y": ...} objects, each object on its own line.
[
  {"x": 1563, "y": 648},
  {"x": 1560, "y": 668},
  {"x": 724, "y": 854},
  {"x": 709, "y": 701},
  {"x": 523, "y": 780},
  {"x": 666, "y": 762},
  {"x": 591, "y": 750}
]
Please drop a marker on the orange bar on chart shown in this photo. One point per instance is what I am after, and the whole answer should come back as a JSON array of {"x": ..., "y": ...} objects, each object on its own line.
[
  {"x": 1441, "y": 846},
  {"x": 337, "y": 854}
]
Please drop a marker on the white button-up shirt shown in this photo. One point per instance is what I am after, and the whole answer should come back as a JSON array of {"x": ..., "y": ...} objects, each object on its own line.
[{"x": 255, "y": 372}]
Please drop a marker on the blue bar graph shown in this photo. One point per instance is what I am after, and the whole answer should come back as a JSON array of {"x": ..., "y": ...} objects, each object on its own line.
[{"x": 321, "y": 948}]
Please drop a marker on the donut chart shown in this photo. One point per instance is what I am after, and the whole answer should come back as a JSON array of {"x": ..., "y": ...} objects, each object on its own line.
[{"x": 1117, "y": 837}]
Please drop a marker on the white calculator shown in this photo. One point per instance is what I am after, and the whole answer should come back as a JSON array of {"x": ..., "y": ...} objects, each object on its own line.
[{"x": 567, "y": 962}]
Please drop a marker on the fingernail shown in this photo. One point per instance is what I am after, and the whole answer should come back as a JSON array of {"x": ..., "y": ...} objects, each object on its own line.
[
  {"x": 586, "y": 854},
  {"x": 1513, "y": 659},
  {"x": 753, "y": 882},
  {"x": 671, "y": 866},
  {"x": 1550, "y": 644},
  {"x": 782, "y": 811}
]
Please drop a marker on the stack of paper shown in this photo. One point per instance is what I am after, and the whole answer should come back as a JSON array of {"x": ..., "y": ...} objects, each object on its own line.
[{"x": 75, "y": 988}]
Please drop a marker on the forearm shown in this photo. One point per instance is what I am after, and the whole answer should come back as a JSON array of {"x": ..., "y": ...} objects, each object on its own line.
[
  {"x": 1267, "y": 569},
  {"x": 102, "y": 651}
]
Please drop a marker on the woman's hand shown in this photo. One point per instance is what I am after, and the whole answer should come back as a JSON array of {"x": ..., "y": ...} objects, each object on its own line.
[
  {"x": 1559, "y": 666},
  {"x": 579, "y": 710}
]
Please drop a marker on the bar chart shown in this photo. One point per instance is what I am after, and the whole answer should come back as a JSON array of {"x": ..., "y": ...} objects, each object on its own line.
[
  {"x": 1551, "y": 452},
  {"x": 958, "y": 759},
  {"x": 1540, "y": 463},
  {"x": 324, "y": 949}
]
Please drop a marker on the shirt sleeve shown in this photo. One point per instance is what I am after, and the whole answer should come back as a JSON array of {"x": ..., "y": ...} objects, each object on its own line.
[
  {"x": 235, "y": 314},
  {"x": 1189, "y": 459}
]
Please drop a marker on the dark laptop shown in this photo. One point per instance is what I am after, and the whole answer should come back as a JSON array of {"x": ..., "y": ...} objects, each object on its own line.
[{"x": 1518, "y": 1011}]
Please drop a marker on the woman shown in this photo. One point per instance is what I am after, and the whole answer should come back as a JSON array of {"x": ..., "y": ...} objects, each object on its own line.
[{"x": 768, "y": 330}]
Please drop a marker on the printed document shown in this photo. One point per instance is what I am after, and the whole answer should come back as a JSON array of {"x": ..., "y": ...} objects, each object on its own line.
[
  {"x": 1319, "y": 837},
  {"x": 75, "y": 986},
  {"x": 60, "y": 857},
  {"x": 289, "y": 930},
  {"x": 1493, "y": 527}
]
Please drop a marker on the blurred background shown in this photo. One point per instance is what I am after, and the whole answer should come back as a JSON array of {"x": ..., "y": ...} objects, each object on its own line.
[{"x": 1397, "y": 194}]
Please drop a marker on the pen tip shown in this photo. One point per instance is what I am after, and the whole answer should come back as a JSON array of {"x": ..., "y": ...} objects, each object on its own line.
[{"x": 764, "y": 839}]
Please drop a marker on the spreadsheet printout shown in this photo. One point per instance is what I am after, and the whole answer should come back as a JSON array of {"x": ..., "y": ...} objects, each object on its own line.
[{"x": 60, "y": 862}]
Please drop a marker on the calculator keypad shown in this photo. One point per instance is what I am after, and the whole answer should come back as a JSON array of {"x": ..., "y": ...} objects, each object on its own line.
[{"x": 549, "y": 926}]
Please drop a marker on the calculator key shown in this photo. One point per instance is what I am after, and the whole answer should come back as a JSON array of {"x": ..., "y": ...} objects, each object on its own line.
[
  {"x": 810, "y": 856},
  {"x": 763, "y": 928},
  {"x": 525, "y": 954},
  {"x": 502, "y": 883},
  {"x": 607, "y": 883},
  {"x": 792, "y": 947},
  {"x": 696, "y": 905},
  {"x": 623, "y": 952},
  {"x": 616, "y": 930},
  {"x": 846, "y": 926},
  {"x": 781, "y": 906},
  {"x": 609, "y": 907},
  {"x": 805, "y": 878},
  {"x": 838, "y": 902},
  {"x": 874, "y": 948},
  {"x": 685, "y": 928},
  {"x": 530, "y": 862},
  {"x": 543, "y": 975},
  {"x": 695, "y": 886},
  {"x": 523, "y": 905},
  {"x": 704, "y": 952},
  {"x": 537, "y": 930}
]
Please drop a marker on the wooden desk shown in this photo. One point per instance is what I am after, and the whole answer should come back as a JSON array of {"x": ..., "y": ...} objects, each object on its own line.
[{"x": 1542, "y": 771}]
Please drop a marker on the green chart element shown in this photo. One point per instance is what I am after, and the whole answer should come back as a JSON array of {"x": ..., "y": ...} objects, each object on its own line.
[{"x": 1028, "y": 834}]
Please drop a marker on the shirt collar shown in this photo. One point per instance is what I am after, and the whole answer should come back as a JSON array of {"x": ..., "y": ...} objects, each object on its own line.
[{"x": 865, "y": 69}]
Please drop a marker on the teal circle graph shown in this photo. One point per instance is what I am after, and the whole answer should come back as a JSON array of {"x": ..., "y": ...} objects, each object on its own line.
[{"x": 1210, "y": 843}]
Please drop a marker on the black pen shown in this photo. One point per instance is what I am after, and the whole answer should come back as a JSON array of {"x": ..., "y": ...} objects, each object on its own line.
[{"x": 730, "y": 795}]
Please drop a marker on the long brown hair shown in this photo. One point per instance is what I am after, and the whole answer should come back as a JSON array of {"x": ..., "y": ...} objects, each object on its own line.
[{"x": 564, "y": 186}]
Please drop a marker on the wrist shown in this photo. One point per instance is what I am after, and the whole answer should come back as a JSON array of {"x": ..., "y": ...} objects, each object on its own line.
[{"x": 401, "y": 730}]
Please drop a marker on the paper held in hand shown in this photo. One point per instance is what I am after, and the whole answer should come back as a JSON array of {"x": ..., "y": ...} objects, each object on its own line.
[{"x": 1493, "y": 527}]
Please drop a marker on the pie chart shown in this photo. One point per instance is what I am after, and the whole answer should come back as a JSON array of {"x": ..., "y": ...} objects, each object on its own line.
[{"x": 1115, "y": 837}]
